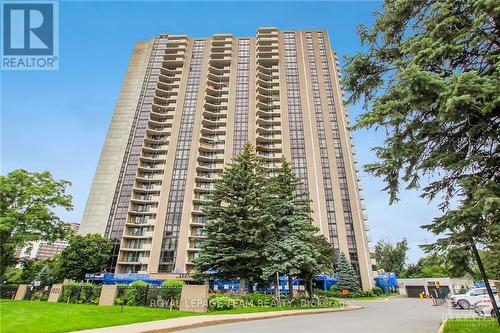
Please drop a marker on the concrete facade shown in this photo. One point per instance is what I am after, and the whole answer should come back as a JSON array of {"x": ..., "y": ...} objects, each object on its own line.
[
  {"x": 187, "y": 107},
  {"x": 55, "y": 292},
  {"x": 194, "y": 298},
  {"x": 108, "y": 295},
  {"x": 454, "y": 284},
  {"x": 43, "y": 249}
]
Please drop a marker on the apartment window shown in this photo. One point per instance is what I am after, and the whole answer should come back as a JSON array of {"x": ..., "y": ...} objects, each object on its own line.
[
  {"x": 325, "y": 164},
  {"x": 296, "y": 124},
  {"x": 341, "y": 171},
  {"x": 179, "y": 173},
  {"x": 242, "y": 95},
  {"x": 119, "y": 208}
]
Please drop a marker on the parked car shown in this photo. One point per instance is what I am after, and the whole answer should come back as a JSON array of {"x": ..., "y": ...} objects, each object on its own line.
[
  {"x": 470, "y": 298},
  {"x": 485, "y": 308}
]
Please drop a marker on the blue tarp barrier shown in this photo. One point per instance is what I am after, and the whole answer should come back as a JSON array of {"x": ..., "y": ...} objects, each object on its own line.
[
  {"x": 109, "y": 278},
  {"x": 387, "y": 281},
  {"x": 324, "y": 281}
]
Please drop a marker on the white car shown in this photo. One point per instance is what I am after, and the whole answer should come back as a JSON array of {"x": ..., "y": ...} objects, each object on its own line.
[
  {"x": 470, "y": 298},
  {"x": 485, "y": 308}
]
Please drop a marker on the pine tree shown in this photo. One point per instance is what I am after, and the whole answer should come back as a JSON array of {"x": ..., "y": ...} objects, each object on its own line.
[
  {"x": 292, "y": 249},
  {"x": 346, "y": 274},
  {"x": 44, "y": 275},
  {"x": 238, "y": 228}
]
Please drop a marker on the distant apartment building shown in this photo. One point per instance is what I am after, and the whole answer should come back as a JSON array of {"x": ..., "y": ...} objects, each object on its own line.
[
  {"x": 43, "y": 249},
  {"x": 187, "y": 107}
]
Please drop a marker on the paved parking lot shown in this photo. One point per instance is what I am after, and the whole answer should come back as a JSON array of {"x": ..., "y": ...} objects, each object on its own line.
[{"x": 400, "y": 314}]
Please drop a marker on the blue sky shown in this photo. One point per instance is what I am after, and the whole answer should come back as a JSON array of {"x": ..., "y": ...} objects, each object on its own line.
[{"x": 57, "y": 120}]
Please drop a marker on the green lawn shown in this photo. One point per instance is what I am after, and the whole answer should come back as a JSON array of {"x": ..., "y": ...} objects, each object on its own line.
[
  {"x": 471, "y": 325},
  {"x": 38, "y": 317},
  {"x": 43, "y": 317}
]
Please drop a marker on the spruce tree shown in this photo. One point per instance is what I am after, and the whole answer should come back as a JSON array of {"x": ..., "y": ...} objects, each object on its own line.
[
  {"x": 293, "y": 248},
  {"x": 346, "y": 274},
  {"x": 44, "y": 275},
  {"x": 238, "y": 228}
]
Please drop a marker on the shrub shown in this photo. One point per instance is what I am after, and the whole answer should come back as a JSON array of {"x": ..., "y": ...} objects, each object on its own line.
[
  {"x": 89, "y": 294},
  {"x": 378, "y": 291},
  {"x": 36, "y": 296},
  {"x": 70, "y": 292},
  {"x": 136, "y": 293},
  {"x": 256, "y": 299},
  {"x": 170, "y": 291},
  {"x": 121, "y": 294},
  {"x": 220, "y": 303},
  {"x": 173, "y": 283},
  {"x": 322, "y": 292}
]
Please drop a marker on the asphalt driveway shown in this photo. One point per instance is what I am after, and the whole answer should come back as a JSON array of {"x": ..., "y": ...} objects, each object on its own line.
[{"x": 396, "y": 315}]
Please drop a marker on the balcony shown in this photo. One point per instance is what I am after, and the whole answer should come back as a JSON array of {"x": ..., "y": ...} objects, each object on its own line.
[
  {"x": 137, "y": 211},
  {"x": 148, "y": 187},
  {"x": 269, "y": 120},
  {"x": 144, "y": 260},
  {"x": 203, "y": 187},
  {"x": 202, "y": 166},
  {"x": 213, "y": 121},
  {"x": 268, "y": 129},
  {"x": 147, "y": 166},
  {"x": 155, "y": 148},
  {"x": 217, "y": 105},
  {"x": 267, "y": 59},
  {"x": 211, "y": 147},
  {"x": 205, "y": 157},
  {"x": 206, "y": 175},
  {"x": 145, "y": 199},
  {"x": 264, "y": 137}
]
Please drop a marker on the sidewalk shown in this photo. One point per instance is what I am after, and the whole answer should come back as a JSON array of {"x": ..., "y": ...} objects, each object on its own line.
[{"x": 172, "y": 325}]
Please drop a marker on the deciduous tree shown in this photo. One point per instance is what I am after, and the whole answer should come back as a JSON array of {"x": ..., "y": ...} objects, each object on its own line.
[
  {"x": 84, "y": 254},
  {"x": 391, "y": 257},
  {"x": 27, "y": 204}
]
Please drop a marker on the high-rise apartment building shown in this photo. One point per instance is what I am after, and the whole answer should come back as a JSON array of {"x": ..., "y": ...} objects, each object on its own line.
[
  {"x": 43, "y": 249},
  {"x": 187, "y": 107}
]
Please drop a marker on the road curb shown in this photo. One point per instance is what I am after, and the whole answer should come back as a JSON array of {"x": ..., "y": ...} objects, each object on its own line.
[
  {"x": 184, "y": 323},
  {"x": 269, "y": 315},
  {"x": 441, "y": 328}
]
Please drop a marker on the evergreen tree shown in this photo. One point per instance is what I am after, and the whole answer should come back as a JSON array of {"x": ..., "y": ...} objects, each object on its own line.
[
  {"x": 346, "y": 274},
  {"x": 44, "y": 276},
  {"x": 238, "y": 227},
  {"x": 430, "y": 74},
  {"x": 292, "y": 247}
]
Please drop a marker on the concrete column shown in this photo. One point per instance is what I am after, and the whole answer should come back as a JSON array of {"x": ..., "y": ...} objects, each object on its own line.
[
  {"x": 21, "y": 292},
  {"x": 194, "y": 298},
  {"x": 108, "y": 294},
  {"x": 55, "y": 292}
]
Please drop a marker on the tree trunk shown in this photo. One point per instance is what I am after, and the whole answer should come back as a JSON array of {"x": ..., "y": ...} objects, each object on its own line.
[
  {"x": 250, "y": 286},
  {"x": 290, "y": 285},
  {"x": 309, "y": 287},
  {"x": 277, "y": 286},
  {"x": 485, "y": 279},
  {"x": 242, "y": 285}
]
